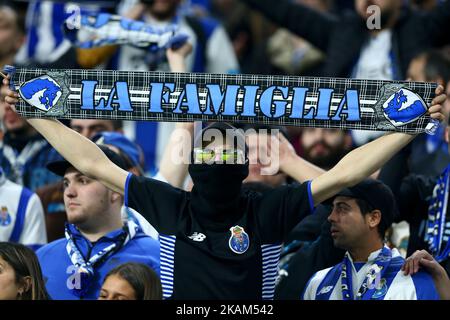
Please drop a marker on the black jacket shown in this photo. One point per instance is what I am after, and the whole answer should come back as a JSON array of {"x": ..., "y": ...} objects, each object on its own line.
[
  {"x": 413, "y": 193},
  {"x": 342, "y": 37}
]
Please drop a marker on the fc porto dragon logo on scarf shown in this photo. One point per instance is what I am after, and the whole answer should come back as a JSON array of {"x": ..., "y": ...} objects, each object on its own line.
[
  {"x": 5, "y": 217},
  {"x": 398, "y": 106},
  {"x": 239, "y": 240},
  {"x": 403, "y": 107},
  {"x": 47, "y": 93},
  {"x": 42, "y": 92}
]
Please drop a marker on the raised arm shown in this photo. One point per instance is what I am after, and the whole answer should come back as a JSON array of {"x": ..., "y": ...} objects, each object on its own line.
[
  {"x": 176, "y": 57},
  {"x": 174, "y": 164},
  {"x": 358, "y": 165},
  {"x": 365, "y": 160},
  {"x": 82, "y": 153}
]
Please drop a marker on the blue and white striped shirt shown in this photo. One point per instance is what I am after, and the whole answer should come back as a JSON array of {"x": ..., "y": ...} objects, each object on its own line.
[{"x": 22, "y": 217}]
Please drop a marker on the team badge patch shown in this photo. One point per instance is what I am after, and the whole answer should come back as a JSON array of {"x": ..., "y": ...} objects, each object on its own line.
[
  {"x": 42, "y": 92},
  {"x": 381, "y": 290},
  {"x": 398, "y": 106},
  {"x": 47, "y": 93},
  {"x": 5, "y": 217},
  {"x": 239, "y": 240},
  {"x": 403, "y": 107}
]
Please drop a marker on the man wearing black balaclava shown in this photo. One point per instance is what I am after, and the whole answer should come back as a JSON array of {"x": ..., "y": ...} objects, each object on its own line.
[
  {"x": 215, "y": 195},
  {"x": 218, "y": 241}
]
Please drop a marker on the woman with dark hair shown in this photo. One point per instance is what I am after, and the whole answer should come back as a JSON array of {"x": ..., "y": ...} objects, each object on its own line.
[
  {"x": 20, "y": 274},
  {"x": 131, "y": 281}
]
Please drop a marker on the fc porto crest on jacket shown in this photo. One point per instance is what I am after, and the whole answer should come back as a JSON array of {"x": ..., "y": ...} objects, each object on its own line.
[
  {"x": 381, "y": 289},
  {"x": 5, "y": 217},
  {"x": 239, "y": 240}
]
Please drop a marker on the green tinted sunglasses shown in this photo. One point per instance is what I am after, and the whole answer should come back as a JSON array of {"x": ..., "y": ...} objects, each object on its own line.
[{"x": 211, "y": 155}]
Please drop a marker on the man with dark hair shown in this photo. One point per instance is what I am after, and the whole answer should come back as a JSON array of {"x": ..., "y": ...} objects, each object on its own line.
[
  {"x": 437, "y": 68},
  {"x": 370, "y": 270},
  {"x": 52, "y": 195}
]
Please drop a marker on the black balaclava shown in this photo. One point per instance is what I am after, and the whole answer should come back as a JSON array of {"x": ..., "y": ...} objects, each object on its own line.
[{"x": 216, "y": 194}]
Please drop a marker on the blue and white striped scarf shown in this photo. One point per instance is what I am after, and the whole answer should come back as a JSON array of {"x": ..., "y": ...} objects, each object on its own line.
[
  {"x": 106, "y": 29},
  {"x": 438, "y": 224},
  {"x": 85, "y": 269}
]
